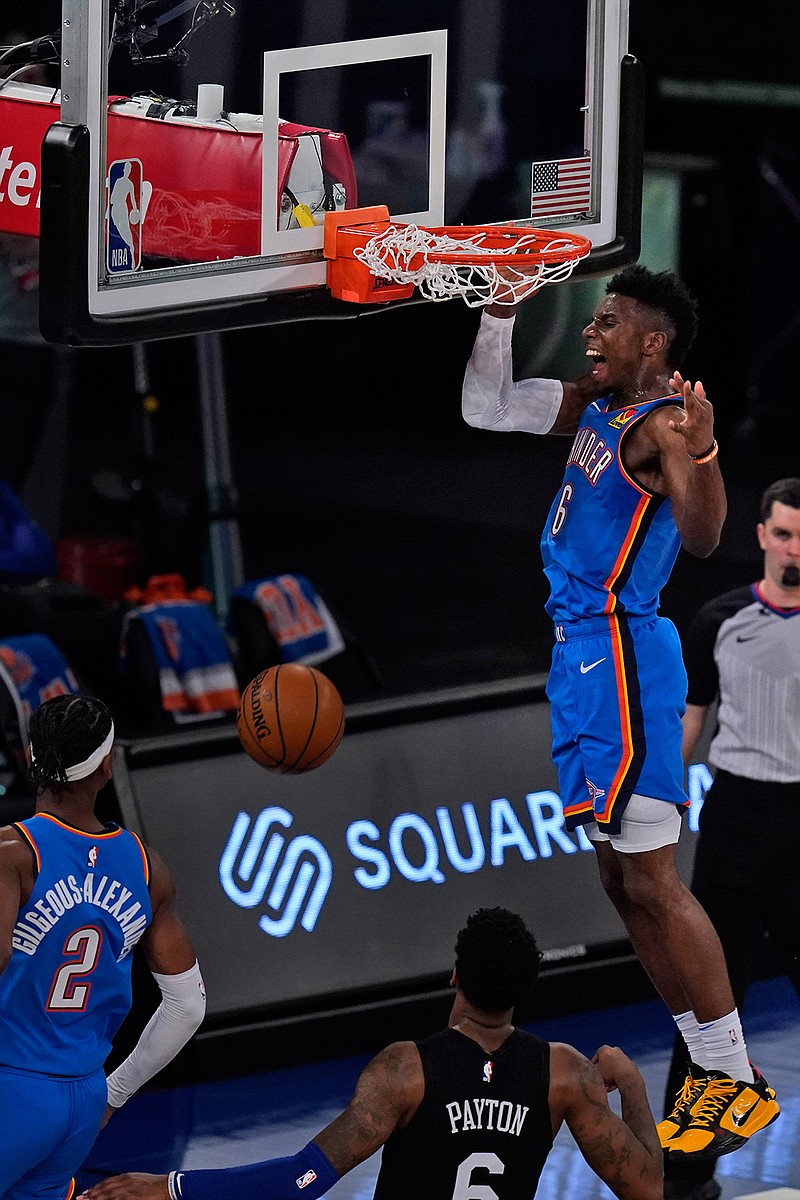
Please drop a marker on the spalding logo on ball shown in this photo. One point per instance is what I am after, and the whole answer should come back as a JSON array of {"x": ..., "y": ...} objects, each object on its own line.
[{"x": 290, "y": 718}]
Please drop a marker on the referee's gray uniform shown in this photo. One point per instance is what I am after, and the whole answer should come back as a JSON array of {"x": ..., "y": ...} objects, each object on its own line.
[{"x": 747, "y": 652}]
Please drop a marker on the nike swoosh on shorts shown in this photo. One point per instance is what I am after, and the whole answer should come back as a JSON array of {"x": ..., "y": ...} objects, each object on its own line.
[{"x": 591, "y": 666}]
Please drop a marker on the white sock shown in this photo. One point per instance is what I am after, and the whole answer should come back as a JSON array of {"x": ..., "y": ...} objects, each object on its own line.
[
  {"x": 690, "y": 1032},
  {"x": 724, "y": 1048}
]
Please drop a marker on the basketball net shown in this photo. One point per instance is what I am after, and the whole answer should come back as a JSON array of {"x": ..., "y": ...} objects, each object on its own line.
[{"x": 492, "y": 264}]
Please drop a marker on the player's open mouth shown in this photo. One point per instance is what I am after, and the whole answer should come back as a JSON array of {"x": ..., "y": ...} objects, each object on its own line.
[{"x": 597, "y": 360}]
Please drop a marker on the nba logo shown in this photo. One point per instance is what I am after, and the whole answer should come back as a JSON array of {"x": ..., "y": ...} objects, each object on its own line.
[
  {"x": 124, "y": 216},
  {"x": 487, "y": 1071}
]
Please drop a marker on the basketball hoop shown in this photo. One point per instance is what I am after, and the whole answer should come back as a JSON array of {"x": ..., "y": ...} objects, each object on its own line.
[{"x": 372, "y": 260}]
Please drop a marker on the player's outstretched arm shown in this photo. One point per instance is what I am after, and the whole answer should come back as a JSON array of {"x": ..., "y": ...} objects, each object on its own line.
[
  {"x": 624, "y": 1152},
  {"x": 689, "y": 465},
  {"x": 172, "y": 960},
  {"x": 387, "y": 1094},
  {"x": 492, "y": 399}
]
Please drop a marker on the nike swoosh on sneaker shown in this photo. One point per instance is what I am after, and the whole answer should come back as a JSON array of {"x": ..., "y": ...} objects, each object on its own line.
[
  {"x": 591, "y": 666},
  {"x": 741, "y": 1110}
]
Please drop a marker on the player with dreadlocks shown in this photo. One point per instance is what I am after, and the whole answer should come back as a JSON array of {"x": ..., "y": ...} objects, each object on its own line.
[
  {"x": 471, "y": 1111},
  {"x": 76, "y": 896}
]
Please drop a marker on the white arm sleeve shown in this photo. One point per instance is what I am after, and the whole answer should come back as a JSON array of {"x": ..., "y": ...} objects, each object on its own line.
[
  {"x": 180, "y": 1013},
  {"x": 491, "y": 399}
]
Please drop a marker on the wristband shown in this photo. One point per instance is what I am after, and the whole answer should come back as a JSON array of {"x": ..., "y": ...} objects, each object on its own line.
[{"x": 707, "y": 455}]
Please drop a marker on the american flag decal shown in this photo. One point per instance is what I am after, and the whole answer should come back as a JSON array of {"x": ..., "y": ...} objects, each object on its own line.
[{"x": 561, "y": 188}]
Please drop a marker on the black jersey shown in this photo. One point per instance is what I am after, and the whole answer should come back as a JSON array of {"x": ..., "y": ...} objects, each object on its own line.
[{"x": 483, "y": 1127}]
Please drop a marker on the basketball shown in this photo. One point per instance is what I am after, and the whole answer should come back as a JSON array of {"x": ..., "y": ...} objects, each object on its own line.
[{"x": 290, "y": 718}]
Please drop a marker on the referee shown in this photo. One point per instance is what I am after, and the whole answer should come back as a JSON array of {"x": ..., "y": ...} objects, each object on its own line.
[{"x": 744, "y": 650}]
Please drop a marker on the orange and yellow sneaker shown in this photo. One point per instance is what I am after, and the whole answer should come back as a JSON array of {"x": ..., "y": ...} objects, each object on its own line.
[
  {"x": 676, "y": 1122},
  {"x": 725, "y": 1116}
]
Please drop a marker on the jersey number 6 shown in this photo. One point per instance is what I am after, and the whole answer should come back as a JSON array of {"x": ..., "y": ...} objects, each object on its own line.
[
  {"x": 465, "y": 1189},
  {"x": 561, "y": 509}
]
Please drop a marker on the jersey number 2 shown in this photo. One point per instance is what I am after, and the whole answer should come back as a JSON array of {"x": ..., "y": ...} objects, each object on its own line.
[
  {"x": 67, "y": 992},
  {"x": 561, "y": 509},
  {"x": 465, "y": 1189}
]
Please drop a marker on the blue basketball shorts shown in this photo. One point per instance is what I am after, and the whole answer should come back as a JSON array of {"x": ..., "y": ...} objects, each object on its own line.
[
  {"x": 47, "y": 1128},
  {"x": 617, "y": 691}
]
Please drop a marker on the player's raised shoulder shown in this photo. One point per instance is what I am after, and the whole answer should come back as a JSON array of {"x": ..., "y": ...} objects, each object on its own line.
[
  {"x": 398, "y": 1066},
  {"x": 10, "y": 836},
  {"x": 569, "y": 1069},
  {"x": 659, "y": 423},
  {"x": 161, "y": 883},
  {"x": 15, "y": 852},
  {"x": 566, "y": 1061}
]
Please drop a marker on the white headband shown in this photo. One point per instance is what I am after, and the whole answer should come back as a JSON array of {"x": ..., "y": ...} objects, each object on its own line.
[{"x": 82, "y": 769}]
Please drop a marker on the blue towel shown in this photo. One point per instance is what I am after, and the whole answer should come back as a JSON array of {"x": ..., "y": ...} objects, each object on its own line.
[
  {"x": 34, "y": 670},
  {"x": 297, "y": 617},
  {"x": 194, "y": 667}
]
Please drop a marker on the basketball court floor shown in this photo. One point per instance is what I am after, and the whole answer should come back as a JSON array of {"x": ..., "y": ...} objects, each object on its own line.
[{"x": 274, "y": 1113}]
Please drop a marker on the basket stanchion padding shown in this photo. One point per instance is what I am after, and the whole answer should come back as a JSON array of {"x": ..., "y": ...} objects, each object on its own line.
[{"x": 348, "y": 277}]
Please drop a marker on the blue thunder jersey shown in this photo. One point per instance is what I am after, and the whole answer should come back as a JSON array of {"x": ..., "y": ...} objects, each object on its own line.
[
  {"x": 67, "y": 987},
  {"x": 609, "y": 543}
]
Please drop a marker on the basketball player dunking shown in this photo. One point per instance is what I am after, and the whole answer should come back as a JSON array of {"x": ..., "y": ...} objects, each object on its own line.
[
  {"x": 470, "y": 1111},
  {"x": 642, "y": 479}
]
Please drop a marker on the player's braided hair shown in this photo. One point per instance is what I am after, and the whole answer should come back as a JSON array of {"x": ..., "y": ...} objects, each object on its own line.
[
  {"x": 666, "y": 293},
  {"x": 497, "y": 959},
  {"x": 65, "y": 731}
]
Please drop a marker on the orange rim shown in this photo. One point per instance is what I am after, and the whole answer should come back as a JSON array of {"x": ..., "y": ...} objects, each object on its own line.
[{"x": 570, "y": 246}]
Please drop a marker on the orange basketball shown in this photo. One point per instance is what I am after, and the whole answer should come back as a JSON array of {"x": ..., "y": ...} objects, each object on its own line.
[{"x": 290, "y": 718}]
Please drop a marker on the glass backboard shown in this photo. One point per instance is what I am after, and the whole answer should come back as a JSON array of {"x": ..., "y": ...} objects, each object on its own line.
[{"x": 197, "y": 146}]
